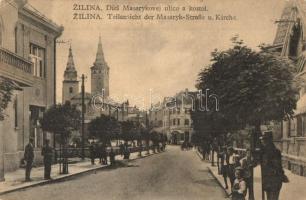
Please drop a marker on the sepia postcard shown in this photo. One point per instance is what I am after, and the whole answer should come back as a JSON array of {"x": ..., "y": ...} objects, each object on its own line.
[{"x": 152, "y": 99}]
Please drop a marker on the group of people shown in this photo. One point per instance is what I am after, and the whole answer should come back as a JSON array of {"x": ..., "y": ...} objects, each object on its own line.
[
  {"x": 47, "y": 153},
  {"x": 124, "y": 150},
  {"x": 186, "y": 145},
  {"x": 99, "y": 150},
  {"x": 239, "y": 169}
]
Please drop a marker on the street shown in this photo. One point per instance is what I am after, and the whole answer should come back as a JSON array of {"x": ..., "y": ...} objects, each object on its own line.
[{"x": 174, "y": 174}]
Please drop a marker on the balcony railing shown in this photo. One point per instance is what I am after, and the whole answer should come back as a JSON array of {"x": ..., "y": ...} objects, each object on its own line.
[{"x": 15, "y": 61}]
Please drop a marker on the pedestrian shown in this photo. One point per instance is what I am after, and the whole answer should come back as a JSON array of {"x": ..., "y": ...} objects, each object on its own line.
[
  {"x": 230, "y": 159},
  {"x": 112, "y": 157},
  {"x": 104, "y": 154},
  {"x": 246, "y": 165},
  {"x": 239, "y": 187},
  {"x": 121, "y": 149},
  {"x": 29, "y": 158},
  {"x": 271, "y": 164},
  {"x": 208, "y": 150},
  {"x": 92, "y": 153},
  {"x": 224, "y": 166},
  {"x": 126, "y": 152},
  {"x": 47, "y": 153}
]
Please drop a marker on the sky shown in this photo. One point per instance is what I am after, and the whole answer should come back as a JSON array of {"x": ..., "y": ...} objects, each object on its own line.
[{"x": 156, "y": 58}]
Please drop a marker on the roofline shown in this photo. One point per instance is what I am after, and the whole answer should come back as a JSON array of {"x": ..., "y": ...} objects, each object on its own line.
[{"x": 41, "y": 19}]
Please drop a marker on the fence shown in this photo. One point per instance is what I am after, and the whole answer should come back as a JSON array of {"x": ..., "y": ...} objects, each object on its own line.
[{"x": 77, "y": 152}]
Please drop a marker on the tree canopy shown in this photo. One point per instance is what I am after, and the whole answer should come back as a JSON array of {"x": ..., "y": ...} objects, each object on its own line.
[
  {"x": 128, "y": 129},
  {"x": 61, "y": 119},
  {"x": 252, "y": 87},
  {"x": 104, "y": 127}
]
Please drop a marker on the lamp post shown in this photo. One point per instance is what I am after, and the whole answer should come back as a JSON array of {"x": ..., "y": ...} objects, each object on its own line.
[{"x": 83, "y": 117}]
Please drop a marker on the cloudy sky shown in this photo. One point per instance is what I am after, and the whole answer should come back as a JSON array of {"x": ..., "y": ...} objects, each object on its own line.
[{"x": 164, "y": 57}]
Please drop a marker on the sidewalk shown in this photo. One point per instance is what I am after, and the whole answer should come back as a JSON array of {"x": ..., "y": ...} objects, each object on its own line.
[
  {"x": 15, "y": 180},
  {"x": 295, "y": 189}
]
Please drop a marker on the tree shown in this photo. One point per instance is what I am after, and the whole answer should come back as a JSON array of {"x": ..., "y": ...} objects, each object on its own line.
[
  {"x": 252, "y": 86},
  {"x": 6, "y": 89},
  {"x": 62, "y": 120},
  {"x": 104, "y": 127},
  {"x": 128, "y": 130}
]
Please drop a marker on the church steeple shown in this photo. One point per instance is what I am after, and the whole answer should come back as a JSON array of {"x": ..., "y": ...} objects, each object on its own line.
[
  {"x": 100, "y": 73},
  {"x": 70, "y": 62},
  {"x": 70, "y": 83},
  {"x": 70, "y": 72},
  {"x": 100, "y": 61}
]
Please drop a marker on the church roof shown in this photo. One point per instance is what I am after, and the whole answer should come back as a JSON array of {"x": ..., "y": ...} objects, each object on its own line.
[
  {"x": 70, "y": 62},
  {"x": 100, "y": 61},
  {"x": 70, "y": 71},
  {"x": 293, "y": 10}
]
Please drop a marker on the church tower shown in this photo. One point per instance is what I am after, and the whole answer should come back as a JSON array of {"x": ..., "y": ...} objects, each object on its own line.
[
  {"x": 100, "y": 73},
  {"x": 70, "y": 83}
]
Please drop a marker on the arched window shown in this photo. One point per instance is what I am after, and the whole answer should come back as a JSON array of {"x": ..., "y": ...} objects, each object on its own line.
[
  {"x": 295, "y": 38},
  {"x": 71, "y": 90}
]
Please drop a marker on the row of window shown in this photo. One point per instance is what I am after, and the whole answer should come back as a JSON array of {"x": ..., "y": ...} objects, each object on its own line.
[
  {"x": 178, "y": 111},
  {"x": 177, "y": 122},
  {"x": 295, "y": 127},
  {"x": 174, "y": 111}
]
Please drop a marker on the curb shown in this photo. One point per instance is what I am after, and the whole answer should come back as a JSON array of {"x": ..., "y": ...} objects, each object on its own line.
[
  {"x": 67, "y": 176},
  {"x": 218, "y": 181},
  {"x": 215, "y": 176}
]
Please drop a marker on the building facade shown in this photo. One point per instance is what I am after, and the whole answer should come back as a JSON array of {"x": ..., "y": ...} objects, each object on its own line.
[
  {"x": 290, "y": 41},
  {"x": 27, "y": 57},
  {"x": 172, "y": 117}
]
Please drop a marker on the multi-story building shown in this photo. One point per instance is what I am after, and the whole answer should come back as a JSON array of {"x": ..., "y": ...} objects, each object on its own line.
[
  {"x": 290, "y": 41},
  {"x": 27, "y": 58},
  {"x": 172, "y": 117}
]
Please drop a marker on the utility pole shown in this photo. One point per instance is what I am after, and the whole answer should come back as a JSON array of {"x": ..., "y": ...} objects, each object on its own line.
[{"x": 83, "y": 116}]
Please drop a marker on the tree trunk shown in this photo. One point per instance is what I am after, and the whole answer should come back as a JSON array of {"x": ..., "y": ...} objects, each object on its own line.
[
  {"x": 212, "y": 157},
  {"x": 65, "y": 156}
]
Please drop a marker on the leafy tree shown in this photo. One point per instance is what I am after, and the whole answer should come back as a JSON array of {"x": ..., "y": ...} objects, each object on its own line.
[
  {"x": 253, "y": 87},
  {"x": 104, "y": 127},
  {"x": 6, "y": 89},
  {"x": 209, "y": 124},
  {"x": 128, "y": 130},
  {"x": 62, "y": 120}
]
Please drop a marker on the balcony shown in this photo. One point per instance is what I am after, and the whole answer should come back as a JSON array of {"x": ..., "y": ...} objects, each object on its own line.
[{"x": 16, "y": 68}]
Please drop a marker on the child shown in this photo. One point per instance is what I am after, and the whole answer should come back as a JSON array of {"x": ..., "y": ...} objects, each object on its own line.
[{"x": 239, "y": 188}]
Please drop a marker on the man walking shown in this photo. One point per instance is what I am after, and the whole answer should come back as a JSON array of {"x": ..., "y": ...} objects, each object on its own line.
[
  {"x": 271, "y": 164},
  {"x": 47, "y": 153},
  {"x": 29, "y": 157}
]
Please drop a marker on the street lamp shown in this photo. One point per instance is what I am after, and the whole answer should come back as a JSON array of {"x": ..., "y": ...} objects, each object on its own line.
[{"x": 83, "y": 116}]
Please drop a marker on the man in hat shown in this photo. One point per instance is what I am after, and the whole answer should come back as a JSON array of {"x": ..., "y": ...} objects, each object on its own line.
[
  {"x": 271, "y": 165},
  {"x": 29, "y": 157},
  {"x": 47, "y": 153}
]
